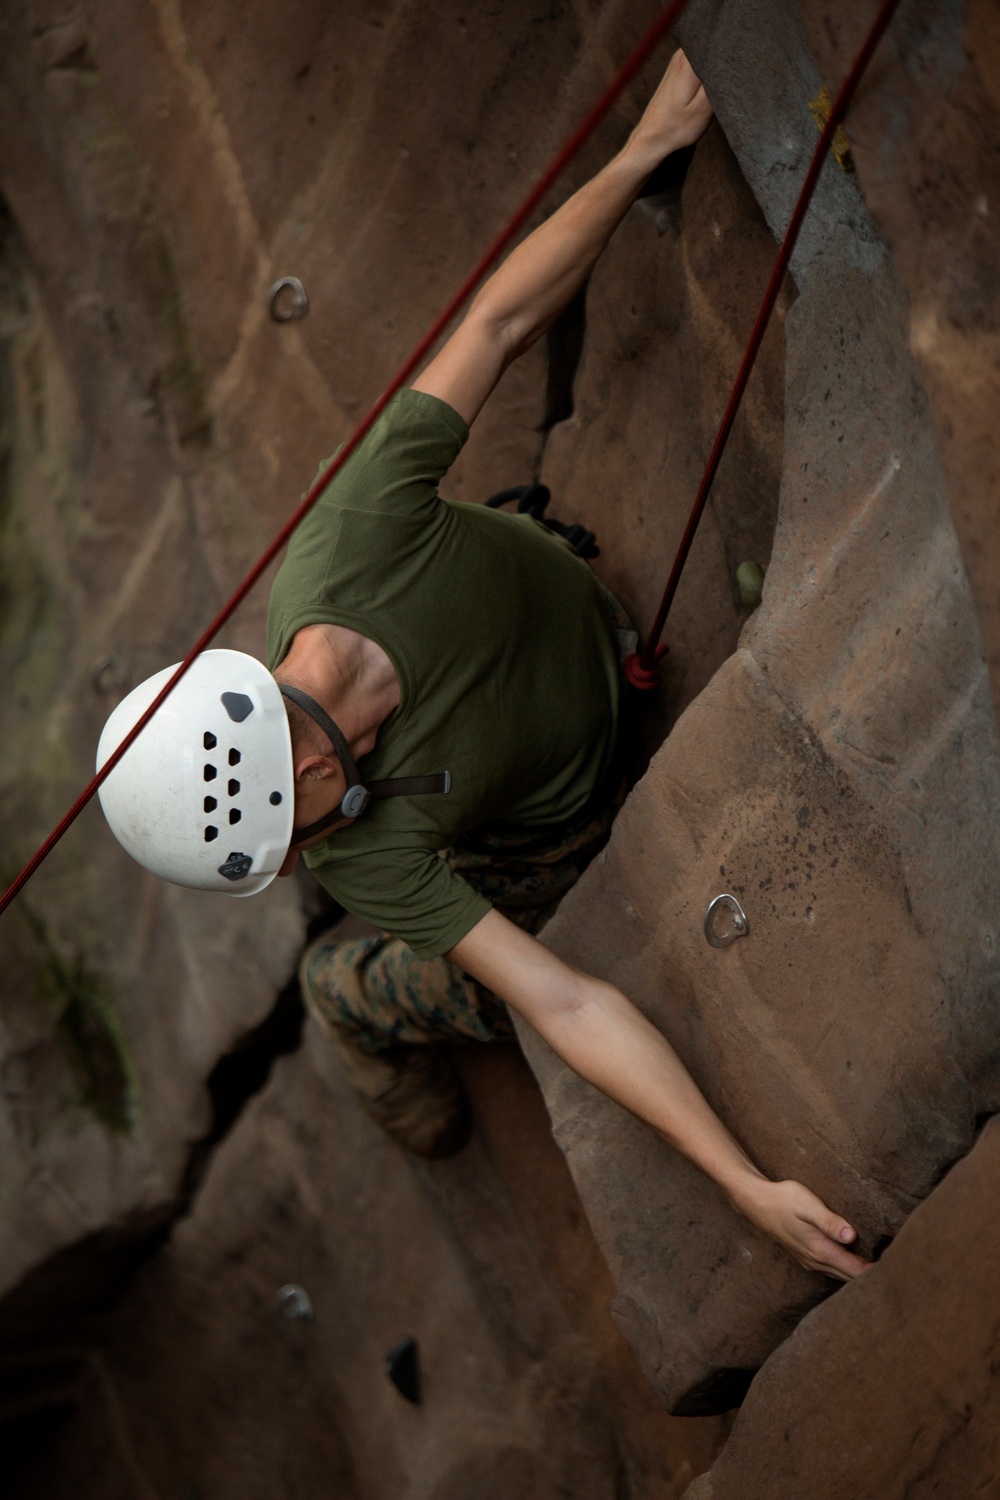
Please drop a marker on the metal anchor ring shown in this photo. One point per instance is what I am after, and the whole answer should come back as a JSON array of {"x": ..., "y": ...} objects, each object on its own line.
[
  {"x": 737, "y": 925},
  {"x": 295, "y": 1303},
  {"x": 286, "y": 309}
]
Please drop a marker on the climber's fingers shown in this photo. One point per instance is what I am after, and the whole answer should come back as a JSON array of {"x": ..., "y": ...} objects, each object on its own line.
[
  {"x": 811, "y": 1233},
  {"x": 678, "y": 112},
  {"x": 820, "y": 1251}
]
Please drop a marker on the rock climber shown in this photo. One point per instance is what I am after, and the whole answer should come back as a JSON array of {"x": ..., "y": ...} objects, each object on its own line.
[{"x": 438, "y": 740}]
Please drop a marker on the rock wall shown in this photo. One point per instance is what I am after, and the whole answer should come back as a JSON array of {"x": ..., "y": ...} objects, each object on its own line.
[
  {"x": 834, "y": 762},
  {"x": 161, "y": 165},
  {"x": 840, "y": 776},
  {"x": 887, "y": 1390},
  {"x": 201, "y": 1386}
]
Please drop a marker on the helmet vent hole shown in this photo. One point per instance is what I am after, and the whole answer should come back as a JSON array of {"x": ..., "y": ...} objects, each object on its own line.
[
  {"x": 234, "y": 757},
  {"x": 210, "y": 773},
  {"x": 209, "y": 740},
  {"x": 210, "y": 834},
  {"x": 234, "y": 788},
  {"x": 210, "y": 804},
  {"x": 234, "y": 815}
]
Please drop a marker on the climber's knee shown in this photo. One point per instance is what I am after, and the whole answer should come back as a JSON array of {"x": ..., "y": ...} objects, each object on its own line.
[
  {"x": 331, "y": 980},
  {"x": 378, "y": 991}
]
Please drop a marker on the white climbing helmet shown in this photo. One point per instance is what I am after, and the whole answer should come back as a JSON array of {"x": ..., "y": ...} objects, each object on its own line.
[{"x": 205, "y": 796}]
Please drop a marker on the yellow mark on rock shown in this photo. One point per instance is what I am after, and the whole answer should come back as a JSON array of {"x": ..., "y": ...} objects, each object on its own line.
[{"x": 840, "y": 146}]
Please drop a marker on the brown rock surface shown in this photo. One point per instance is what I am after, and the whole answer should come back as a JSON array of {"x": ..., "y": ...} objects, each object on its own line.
[
  {"x": 840, "y": 776},
  {"x": 527, "y": 1389},
  {"x": 119, "y": 994},
  {"x": 161, "y": 164},
  {"x": 889, "y": 1390}
]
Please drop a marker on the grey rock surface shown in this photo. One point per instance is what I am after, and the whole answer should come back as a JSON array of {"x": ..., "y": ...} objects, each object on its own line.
[{"x": 761, "y": 77}]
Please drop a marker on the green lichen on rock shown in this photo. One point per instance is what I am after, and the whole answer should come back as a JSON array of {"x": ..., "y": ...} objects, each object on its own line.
[
  {"x": 89, "y": 1028},
  {"x": 750, "y": 582}
]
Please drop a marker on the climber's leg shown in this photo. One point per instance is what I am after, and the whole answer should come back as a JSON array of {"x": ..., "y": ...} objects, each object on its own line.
[
  {"x": 382, "y": 995},
  {"x": 384, "y": 1008}
]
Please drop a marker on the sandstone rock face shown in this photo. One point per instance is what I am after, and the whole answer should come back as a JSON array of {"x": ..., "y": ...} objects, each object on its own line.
[
  {"x": 202, "y": 1387},
  {"x": 887, "y": 1390},
  {"x": 161, "y": 165},
  {"x": 840, "y": 776},
  {"x": 120, "y": 994}
]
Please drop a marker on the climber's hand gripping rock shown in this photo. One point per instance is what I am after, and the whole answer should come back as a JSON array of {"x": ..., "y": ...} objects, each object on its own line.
[
  {"x": 674, "y": 118},
  {"x": 604, "y": 1038},
  {"x": 803, "y": 1224},
  {"x": 524, "y": 297}
]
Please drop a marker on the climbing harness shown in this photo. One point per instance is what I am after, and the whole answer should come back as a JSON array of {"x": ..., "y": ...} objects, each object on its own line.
[{"x": 642, "y": 668}]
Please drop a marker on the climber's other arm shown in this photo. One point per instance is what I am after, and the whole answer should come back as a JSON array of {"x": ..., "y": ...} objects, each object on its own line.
[
  {"x": 539, "y": 278},
  {"x": 604, "y": 1038}
]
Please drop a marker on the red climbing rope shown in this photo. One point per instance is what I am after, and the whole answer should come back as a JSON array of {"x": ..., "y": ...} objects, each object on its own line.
[
  {"x": 622, "y": 78},
  {"x": 641, "y": 667}
]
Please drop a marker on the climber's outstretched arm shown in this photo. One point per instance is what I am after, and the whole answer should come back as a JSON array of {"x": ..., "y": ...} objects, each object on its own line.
[
  {"x": 604, "y": 1038},
  {"x": 542, "y": 275}
]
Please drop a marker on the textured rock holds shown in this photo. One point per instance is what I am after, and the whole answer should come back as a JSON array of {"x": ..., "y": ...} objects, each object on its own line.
[
  {"x": 840, "y": 776},
  {"x": 163, "y": 163},
  {"x": 889, "y": 1389}
]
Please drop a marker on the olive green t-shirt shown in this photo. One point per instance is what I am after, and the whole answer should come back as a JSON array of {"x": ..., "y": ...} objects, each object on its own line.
[{"x": 505, "y": 656}]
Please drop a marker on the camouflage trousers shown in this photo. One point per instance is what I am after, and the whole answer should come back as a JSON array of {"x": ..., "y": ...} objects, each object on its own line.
[{"x": 379, "y": 991}]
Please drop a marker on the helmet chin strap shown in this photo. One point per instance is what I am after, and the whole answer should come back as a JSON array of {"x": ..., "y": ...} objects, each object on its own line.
[{"x": 357, "y": 796}]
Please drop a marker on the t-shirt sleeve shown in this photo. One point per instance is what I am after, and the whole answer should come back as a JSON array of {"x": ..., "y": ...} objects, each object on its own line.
[
  {"x": 397, "y": 467},
  {"x": 395, "y": 472},
  {"x": 411, "y": 893}
]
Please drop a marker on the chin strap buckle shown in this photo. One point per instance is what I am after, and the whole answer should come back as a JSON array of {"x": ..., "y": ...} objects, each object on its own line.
[{"x": 354, "y": 801}]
